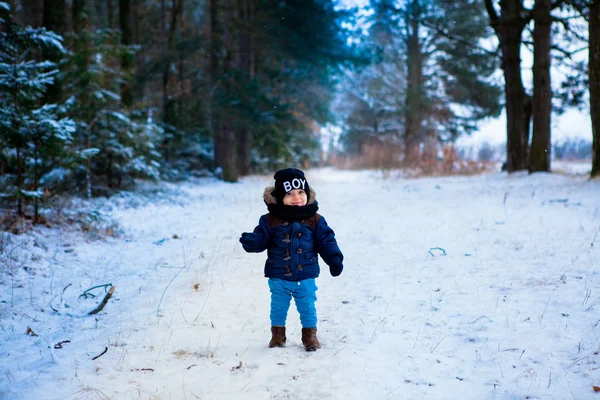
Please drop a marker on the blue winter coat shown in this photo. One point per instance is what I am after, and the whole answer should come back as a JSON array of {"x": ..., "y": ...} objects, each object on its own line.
[{"x": 292, "y": 246}]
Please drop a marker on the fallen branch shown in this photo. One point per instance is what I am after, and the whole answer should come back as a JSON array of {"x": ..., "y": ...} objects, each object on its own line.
[
  {"x": 59, "y": 344},
  {"x": 104, "y": 301},
  {"x": 85, "y": 294},
  {"x": 63, "y": 292},
  {"x": 101, "y": 354},
  {"x": 50, "y": 304}
]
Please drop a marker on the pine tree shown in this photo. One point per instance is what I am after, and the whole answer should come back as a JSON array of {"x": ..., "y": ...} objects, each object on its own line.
[
  {"x": 273, "y": 80},
  {"x": 374, "y": 95},
  {"x": 32, "y": 136},
  {"x": 434, "y": 63},
  {"x": 108, "y": 137}
]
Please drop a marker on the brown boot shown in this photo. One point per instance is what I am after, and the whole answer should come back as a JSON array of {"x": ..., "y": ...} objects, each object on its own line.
[
  {"x": 309, "y": 339},
  {"x": 277, "y": 336}
]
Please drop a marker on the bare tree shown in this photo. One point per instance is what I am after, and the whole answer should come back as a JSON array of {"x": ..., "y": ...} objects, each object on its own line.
[
  {"x": 82, "y": 45},
  {"x": 125, "y": 23},
  {"x": 539, "y": 155},
  {"x": 176, "y": 11},
  {"x": 509, "y": 26},
  {"x": 221, "y": 62},
  {"x": 414, "y": 97},
  {"x": 213, "y": 72},
  {"x": 246, "y": 68},
  {"x": 54, "y": 19}
]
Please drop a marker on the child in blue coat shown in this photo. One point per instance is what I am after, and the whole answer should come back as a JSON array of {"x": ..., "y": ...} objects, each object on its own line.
[{"x": 293, "y": 234}]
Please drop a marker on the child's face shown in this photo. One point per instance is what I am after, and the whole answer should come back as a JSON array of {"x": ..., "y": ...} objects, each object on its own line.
[{"x": 296, "y": 197}]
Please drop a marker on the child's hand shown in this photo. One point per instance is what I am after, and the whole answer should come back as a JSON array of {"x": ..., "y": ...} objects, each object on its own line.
[
  {"x": 336, "y": 267},
  {"x": 248, "y": 241}
]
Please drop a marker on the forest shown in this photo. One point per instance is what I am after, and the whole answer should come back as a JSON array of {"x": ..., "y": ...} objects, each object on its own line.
[{"x": 98, "y": 94}]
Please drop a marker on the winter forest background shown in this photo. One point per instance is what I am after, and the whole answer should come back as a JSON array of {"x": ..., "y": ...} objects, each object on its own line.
[
  {"x": 136, "y": 140},
  {"x": 98, "y": 93}
]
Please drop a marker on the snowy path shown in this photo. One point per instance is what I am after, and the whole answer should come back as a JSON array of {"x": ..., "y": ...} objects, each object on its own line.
[{"x": 511, "y": 311}]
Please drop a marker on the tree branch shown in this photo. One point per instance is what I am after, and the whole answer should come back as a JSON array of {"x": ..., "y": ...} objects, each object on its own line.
[
  {"x": 566, "y": 53},
  {"x": 494, "y": 20},
  {"x": 457, "y": 39},
  {"x": 567, "y": 28},
  {"x": 104, "y": 301},
  {"x": 101, "y": 354}
]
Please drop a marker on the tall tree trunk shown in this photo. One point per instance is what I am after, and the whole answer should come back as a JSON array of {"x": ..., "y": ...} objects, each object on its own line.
[
  {"x": 32, "y": 12},
  {"x": 167, "y": 101},
  {"x": 224, "y": 140},
  {"x": 594, "y": 73},
  {"x": 227, "y": 143},
  {"x": 183, "y": 119},
  {"x": 215, "y": 44},
  {"x": 109, "y": 170},
  {"x": 110, "y": 14},
  {"x": 515, "y": 97},
  {"x": 539, "y": 155},
  {"x": 55, "y": 16},
  {"x": 54, "y": 19},
  {"x": 244, "y": 150},
  {"x": 414, "y": 98},
  {"x": 125, "y": 23},
  {"x": 16, "y": 123},
  {"x": 245, "y": 65},
  {"x": 227, "y": 134},
  {"x": 36, "y": 200},
  {"x": 165, "y": 75},
  {"x": 180, "y": 56},
  {"x": 19, "y": 184},
  {"x": 176, "y": 7},
  {"x": 82, "y": 49},
  {"x": 509, "y": 28},
  {"x": 80, "y": 16}
]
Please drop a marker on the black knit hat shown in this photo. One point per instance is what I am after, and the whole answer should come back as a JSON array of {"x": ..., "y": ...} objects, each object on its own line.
[{"x": 289, "y": 179}]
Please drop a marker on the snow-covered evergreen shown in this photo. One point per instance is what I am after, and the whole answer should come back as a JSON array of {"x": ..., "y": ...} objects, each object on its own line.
[{"x": 33, "y": 135}]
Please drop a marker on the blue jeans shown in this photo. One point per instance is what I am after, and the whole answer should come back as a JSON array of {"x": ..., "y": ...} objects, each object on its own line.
[{"x": 305, "y": 295}]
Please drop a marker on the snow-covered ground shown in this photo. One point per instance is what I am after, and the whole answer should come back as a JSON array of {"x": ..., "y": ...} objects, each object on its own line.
[
  {"x": 484, "y": 287},
  {"x": 572, "y": 167}
]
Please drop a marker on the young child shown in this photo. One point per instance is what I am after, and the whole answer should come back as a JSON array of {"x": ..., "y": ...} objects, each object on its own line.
[{"x": 293, "y": 233}]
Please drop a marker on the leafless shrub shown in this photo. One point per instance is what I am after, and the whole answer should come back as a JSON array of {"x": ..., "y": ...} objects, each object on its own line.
[
  {"x": 435, "y": 160},
  {"x": 384, "y": 155}
]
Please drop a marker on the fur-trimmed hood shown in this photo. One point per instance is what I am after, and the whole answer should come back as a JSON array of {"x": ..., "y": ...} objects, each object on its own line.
[{"x": 270, "y": 198}]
